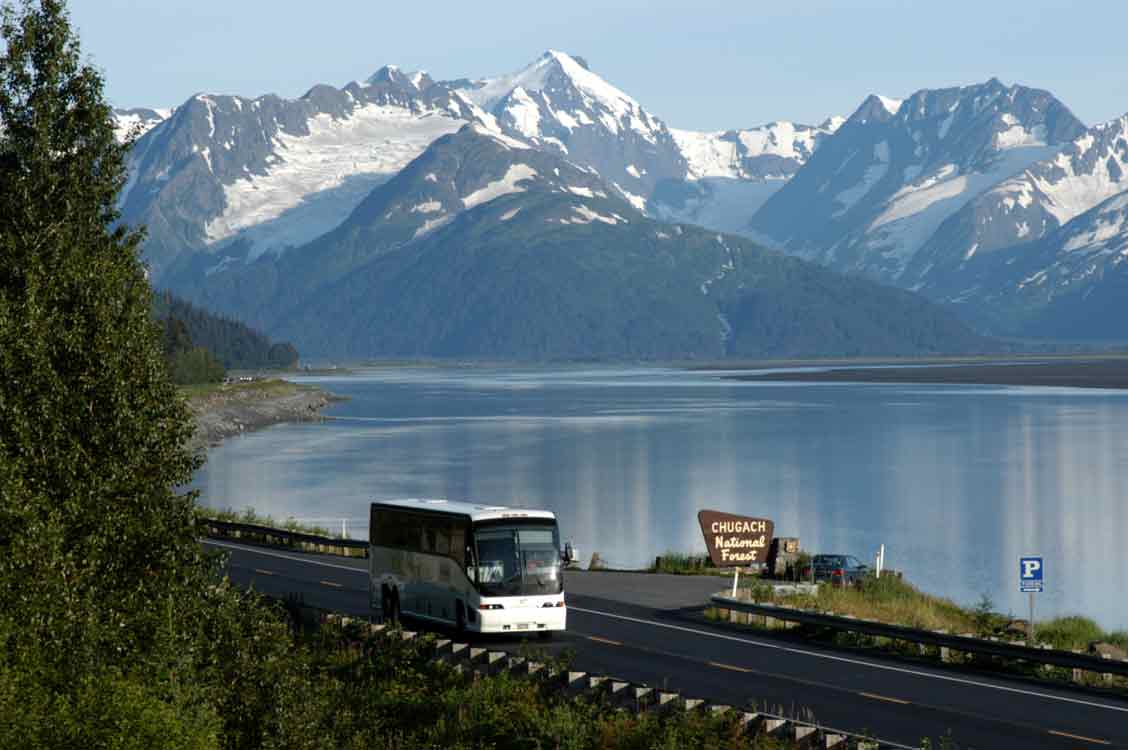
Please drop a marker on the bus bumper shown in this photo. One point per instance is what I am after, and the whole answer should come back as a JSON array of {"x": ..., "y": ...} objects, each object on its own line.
[{"x": 523, "y": 620}]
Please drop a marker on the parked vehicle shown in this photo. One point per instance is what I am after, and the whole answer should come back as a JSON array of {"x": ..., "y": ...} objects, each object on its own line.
[{"x": 836, "y": 569}]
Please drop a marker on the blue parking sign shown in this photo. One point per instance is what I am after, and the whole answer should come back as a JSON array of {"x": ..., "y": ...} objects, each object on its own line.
[{"x": 1030, "y": 570}]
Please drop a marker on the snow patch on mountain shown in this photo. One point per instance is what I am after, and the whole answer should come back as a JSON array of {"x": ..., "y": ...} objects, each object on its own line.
[
  {"x": 507, "y": 184},
  {"x": 342, "y": 157},
  {"x": 726, "y": 153},
  {"x": 892, "y": 106},
  {"x": 1109, "y": 223}
]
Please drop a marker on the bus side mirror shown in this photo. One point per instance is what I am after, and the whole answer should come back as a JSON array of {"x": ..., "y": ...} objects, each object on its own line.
[{"x": 568, "y": 554}]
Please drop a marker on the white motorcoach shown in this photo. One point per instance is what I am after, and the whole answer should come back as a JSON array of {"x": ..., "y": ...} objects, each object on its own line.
[{"x": 482, "y": 568}]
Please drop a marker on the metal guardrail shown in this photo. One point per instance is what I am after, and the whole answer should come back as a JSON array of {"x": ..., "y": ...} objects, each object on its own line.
[
  {"x": 955, "y": 642},
  {"x": 279, "y": 537}
]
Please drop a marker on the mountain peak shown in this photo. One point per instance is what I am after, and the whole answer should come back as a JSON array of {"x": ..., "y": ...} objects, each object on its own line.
[
  {"x": 392, "y": 74},
  {"x": 875, "y": 108}
]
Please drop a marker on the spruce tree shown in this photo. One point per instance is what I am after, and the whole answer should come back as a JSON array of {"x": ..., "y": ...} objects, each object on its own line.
[{"x": 93, "y": 434}]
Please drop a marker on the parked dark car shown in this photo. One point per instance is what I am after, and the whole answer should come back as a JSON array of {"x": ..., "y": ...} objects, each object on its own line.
[{"x": 837, "y": 569}]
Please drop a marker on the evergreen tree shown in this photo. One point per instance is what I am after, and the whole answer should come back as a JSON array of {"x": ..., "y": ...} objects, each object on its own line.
[{"x": 92, "y": 432}]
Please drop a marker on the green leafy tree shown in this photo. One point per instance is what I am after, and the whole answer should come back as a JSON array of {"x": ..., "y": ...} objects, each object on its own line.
[{"x": 92, "y": 432}]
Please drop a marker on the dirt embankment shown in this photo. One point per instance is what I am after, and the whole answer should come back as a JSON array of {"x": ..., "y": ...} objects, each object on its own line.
[{"x": 234, "y": 409}]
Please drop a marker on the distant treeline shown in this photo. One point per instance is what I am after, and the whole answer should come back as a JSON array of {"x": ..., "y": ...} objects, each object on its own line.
[{"x": 200, "y": 346}]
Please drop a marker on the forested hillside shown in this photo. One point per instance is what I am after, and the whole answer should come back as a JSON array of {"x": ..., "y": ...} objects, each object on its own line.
[{"x": 233, "y": 344}]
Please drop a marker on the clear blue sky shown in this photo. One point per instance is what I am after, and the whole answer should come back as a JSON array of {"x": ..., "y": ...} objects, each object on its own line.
[{"x": 700, "y": 64}]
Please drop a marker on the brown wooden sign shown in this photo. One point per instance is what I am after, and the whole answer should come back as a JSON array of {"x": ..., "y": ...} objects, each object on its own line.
[{"x": 735, "y": 540}]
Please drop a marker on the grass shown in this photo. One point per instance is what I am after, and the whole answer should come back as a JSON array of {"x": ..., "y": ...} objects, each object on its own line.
[
  {"x": 680, "y": 563},
  {"x": 1074, "y": 631},
  {"x": 893, "y": 600},
  {"x": 897, "y": 602},
  {"x": 250, "y": 516},
  {"x": 886, "y": 599}
]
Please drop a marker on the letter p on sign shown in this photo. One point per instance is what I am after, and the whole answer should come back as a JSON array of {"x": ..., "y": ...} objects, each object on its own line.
[{"x": 1030, "y": 574}]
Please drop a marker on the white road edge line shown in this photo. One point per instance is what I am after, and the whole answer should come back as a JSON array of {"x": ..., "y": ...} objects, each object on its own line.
[
  {"x": 284, "y": 557},
  {"x": 859, "y": 662}
]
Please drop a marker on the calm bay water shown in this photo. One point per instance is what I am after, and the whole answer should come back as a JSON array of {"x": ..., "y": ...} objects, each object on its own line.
[{"x": 957, "y": 481}]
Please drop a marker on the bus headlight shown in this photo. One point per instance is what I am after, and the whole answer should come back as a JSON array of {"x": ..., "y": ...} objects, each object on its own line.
[{"x": 554, "y": 604}]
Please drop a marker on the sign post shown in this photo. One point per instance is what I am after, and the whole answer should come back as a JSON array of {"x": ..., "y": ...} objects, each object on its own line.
[
  {"x": 1030, "y": 581},
  {"x": 734, "y": 541}
]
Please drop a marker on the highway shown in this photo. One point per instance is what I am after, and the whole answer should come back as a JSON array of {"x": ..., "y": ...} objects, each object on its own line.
[{"x": 619, "y": 628}]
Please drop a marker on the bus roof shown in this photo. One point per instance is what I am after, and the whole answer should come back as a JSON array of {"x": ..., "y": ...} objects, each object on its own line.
[{"x": 476, "y": 511}]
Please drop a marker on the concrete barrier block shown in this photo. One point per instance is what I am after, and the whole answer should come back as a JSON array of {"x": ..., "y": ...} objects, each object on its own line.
[
  {"x": 834, "y": 742},
  {"x": 477, "y": 654},
  {"x": 525, "y": 668},
  {"x": 407, "y": 635},
  {"x": 776, "y": 727},
  {"x": 457, "y": 652},
  {"x": 615, "y": 688},
  {"x": 693, "y": 704},
  {"x": 574, "y": 683},
  {"x": 667, "y": 701},
  {"x": 805, "y": 736},
  {"x": 637, "y": 697},
  {"x": 492, "y": 663}
]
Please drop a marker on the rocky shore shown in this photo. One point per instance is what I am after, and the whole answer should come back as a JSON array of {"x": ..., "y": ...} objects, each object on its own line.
[{"x": 238, "y": 408}]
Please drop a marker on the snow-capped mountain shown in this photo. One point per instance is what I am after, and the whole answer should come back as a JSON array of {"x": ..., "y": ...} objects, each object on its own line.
[
  {"x": 558, "y": 103},
  {"x": 270, "y": 173},
  {"x": 139, "y": 119},
  {"x": 484, "y": 246},
  {"x": 1025, "y": 208},
  {"x": 266, "y": 174},
  {"x": 876, "y": 191},
  {"x": 732, "y": 173}
]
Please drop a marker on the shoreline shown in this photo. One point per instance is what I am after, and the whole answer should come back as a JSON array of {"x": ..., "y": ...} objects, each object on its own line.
[
  {"x": 228, "y": 410},
  {"x": 1110, "y": 373}
]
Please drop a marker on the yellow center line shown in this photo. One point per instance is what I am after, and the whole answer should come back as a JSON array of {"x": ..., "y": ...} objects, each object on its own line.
[
  {"x": 334, "y": 584},
  {"x": 608, "y": 641},
  {"x": 1081, "y": 737},
  {"x": 260, "y": 571},
  {"x": 886, "y": 698},
  {"x": 730, "y": 667}
]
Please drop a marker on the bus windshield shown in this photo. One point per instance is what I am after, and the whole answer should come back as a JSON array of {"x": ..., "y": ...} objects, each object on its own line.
[{"x": 518, "y": 560}]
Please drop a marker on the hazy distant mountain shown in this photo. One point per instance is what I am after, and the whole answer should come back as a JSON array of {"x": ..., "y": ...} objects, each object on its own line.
[
  {"x": 880, "y": 187},
  {"x": 483, "y": 247},
  {"x": 733, "y": 172}
]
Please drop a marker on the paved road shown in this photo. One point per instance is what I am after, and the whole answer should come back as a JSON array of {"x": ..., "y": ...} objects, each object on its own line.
[{"x": 618, "y": 625}]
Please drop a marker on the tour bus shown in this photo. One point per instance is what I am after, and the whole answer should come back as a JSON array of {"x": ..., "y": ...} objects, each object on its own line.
[{"x": 481, "y": 568}]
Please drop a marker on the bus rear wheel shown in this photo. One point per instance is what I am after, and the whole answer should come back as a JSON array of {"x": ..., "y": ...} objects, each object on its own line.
[
  {"x": 391, "y": 607},
  {"x": 459, "y": 620}
]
